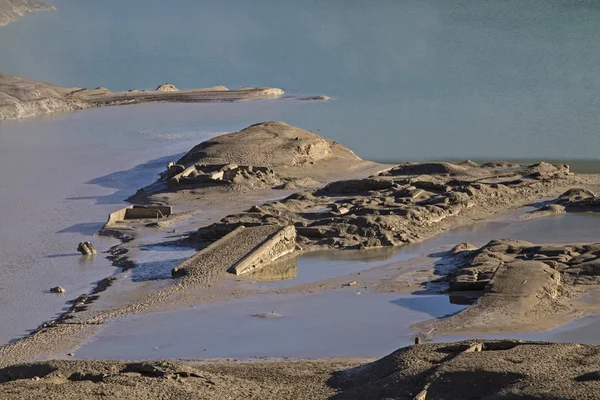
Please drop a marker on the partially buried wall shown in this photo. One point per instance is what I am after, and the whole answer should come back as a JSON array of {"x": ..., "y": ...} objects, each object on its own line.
[
  {"x": 138, "y": 212},
  {"x": 241, "y": 251}
]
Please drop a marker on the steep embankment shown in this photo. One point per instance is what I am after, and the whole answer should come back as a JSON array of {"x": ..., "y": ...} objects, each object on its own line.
[{"x": 11, "y": 10}]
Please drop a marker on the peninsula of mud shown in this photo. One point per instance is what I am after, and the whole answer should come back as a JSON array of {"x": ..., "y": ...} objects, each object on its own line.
[{"x": 21, "y": 98}]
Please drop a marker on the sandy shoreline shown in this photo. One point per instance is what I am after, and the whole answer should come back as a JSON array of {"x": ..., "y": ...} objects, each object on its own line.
[{"x": 394, "y": 206}]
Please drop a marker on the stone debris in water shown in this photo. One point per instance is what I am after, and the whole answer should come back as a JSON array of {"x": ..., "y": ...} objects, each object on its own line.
[
  {"x": 57, "y": 289},
  {"x": 87, "y": 249},
  {"x": 270, "y": 314}
]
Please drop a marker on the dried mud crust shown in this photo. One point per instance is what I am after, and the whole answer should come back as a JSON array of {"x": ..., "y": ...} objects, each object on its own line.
[
  {"x": 477, "y": 370},
  {"x": 402, "y": 205},
  {"x": 489, "y": 369},
  {"x": 88, "y": 379},
  {"x": 521, "y": 286}
]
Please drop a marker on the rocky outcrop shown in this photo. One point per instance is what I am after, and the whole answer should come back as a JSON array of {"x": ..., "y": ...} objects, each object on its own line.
[{"x": 11, "y": 10}]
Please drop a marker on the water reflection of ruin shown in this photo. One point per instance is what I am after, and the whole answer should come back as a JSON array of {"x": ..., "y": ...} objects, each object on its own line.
[{"x": 279, "y": 270}]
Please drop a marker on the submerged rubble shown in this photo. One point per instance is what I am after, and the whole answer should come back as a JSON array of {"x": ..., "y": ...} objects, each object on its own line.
[
  {"x": 219, "y": 174},
  {"x": 518, "y": 283}
]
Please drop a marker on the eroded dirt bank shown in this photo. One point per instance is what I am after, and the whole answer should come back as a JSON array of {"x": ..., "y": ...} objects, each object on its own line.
[
  {"x": 463, "y": 370},
  {"x": 21, "y": 97}
]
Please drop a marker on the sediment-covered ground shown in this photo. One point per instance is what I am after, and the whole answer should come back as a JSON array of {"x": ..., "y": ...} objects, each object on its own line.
[
  {"x": 374, "y": 206},
  {"x": 11, "y": 10},
  {"x": 21, "y": 97},
  {"x": 518, "y": 285},
  {"x": 464, "y": 370}
]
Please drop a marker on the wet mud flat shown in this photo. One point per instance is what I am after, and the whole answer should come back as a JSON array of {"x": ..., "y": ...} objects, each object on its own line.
[{"x": 345, "y": 323}]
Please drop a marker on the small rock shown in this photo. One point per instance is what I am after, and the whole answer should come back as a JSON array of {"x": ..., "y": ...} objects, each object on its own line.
[
  {"x": 57, "y": 289},
  {"x": 417, "y": 339},
  {"x": 270, "y": 314},
  {"x": 70, "y": 354},
  {"x": 35, "y": 378},
  {"x": 87, "y": 249}
]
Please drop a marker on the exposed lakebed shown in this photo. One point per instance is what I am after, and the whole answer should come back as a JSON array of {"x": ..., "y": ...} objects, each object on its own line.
[{"x": 348, "y": 322}]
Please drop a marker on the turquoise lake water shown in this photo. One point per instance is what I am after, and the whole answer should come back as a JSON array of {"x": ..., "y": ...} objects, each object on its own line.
[{"x": 410, "y": 79}]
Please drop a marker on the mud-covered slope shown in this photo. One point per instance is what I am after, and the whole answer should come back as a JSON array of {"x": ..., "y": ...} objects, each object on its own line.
[
  {"x": 20, "y": 97},
  {"x": 477, "y": 370},
  {"x": 271, "y": 144},
  {"x": 11, "y": 10}
]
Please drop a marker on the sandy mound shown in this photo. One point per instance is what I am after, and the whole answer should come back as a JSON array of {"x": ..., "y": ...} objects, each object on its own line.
[
  {"x": 268, "y": 144},
  {"x": 167, "y": 87}
]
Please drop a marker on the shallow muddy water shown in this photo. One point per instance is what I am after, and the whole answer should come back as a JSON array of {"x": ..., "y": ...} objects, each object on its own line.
[
  {"x": 60, "y": 177},
  {"x": 346, "y": 322},
  {"x": 322, "y": 265},
  {"x": 340, "y": 323}
]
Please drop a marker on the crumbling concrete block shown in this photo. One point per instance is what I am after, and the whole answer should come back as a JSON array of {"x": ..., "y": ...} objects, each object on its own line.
[{"x": 279, "y": 244}]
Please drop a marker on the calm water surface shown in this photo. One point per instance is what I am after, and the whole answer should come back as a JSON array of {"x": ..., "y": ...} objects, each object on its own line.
[{"x": 411, "y": 79}]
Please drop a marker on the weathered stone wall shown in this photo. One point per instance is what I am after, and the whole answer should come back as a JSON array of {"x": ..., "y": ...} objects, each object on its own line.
[{"x": 278, "y": 245}]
